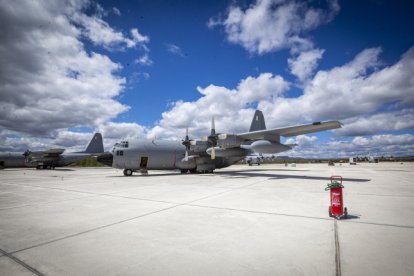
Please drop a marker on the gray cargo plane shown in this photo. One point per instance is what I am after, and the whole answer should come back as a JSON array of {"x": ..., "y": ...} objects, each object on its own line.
[
  {"x": 51, "y": 158},
  {"x": 205, "y": 155}
]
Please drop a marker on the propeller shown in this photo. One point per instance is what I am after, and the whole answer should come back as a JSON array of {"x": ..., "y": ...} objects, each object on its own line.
[
  {"x": 212, "y": 138},
  {"x": 187, "y": 143}
]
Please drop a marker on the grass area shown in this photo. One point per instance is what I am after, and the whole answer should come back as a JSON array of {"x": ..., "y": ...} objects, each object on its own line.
[{"x": 88, "y": 162}]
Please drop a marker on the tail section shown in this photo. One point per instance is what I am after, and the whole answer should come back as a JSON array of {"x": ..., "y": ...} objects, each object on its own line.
[
  {"x": 258, "y": 122},
  {"x": 95, "y": 145}
]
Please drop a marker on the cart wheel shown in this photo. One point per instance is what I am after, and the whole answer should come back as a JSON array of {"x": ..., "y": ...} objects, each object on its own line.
[
  {"x": 345, "y": 213},
  {"x": 330, "y": 211}
]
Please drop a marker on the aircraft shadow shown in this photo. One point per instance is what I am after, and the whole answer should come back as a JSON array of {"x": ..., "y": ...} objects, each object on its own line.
[
  {"x": 265, "y": 170},
  {"x": 147, "y": 175},
  {"x": 249, "y": 174},
  {"x": 285, "y": 176},
  {"x": 41, "y": 170}
]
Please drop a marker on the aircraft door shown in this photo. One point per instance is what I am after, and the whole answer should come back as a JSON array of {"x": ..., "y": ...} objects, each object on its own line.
[{"x": 143, "y": 166}]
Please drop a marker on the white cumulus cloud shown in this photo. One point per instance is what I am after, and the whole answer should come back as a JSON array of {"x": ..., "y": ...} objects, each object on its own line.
[
  {"x": 174, "y": 49},
  {"x": 304, "y": 64},
  {"x": 376, "y": 123},
  {"x": 271, "y": 25},
  {"x": 230, "y": 106},
  {"x": 357, "y": 88}
]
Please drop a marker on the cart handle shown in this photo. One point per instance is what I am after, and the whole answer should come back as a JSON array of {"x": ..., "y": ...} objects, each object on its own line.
[{"x": 336, "y": 177}]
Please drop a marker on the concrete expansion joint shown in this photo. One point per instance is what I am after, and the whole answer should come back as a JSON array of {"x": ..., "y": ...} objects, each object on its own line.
[
  {"x": 95, "y": 229},
  {"x": 20, "y": 262},
  {"x": 379, "y": 224},
  {"x": 337, "y": 250}
]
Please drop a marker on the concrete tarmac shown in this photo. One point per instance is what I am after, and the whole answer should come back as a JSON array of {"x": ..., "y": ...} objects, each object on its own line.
[{"x": 259, "y": 220}]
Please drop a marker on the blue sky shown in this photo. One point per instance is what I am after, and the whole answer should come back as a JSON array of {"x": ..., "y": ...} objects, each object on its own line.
[{"x": 144, "y": 69}]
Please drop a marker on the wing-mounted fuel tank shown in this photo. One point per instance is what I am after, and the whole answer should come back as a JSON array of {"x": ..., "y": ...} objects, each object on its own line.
[{"x": 265, "y": 146}]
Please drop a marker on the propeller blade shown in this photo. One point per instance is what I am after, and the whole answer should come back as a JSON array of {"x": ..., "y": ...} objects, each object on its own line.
[
  {"x": 213, "y": 126},
  {"x": 187, "y": 143},
  {"x": 213, "y": 154}
]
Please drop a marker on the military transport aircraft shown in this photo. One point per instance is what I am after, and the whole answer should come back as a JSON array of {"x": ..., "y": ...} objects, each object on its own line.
[
  {"x": 205, "y": 155},
  {"x": 52, "y": 158}
]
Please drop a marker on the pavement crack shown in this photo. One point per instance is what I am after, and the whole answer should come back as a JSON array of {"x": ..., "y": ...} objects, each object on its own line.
[{"x": 256, "y": 212}]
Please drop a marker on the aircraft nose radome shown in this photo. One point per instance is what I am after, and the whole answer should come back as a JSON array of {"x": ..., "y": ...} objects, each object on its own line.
[{"x": 106, "y": 159}]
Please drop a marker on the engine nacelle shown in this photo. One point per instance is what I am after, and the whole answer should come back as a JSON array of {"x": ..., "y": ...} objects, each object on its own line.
[
  {"x": 189, "y": 163},
  {"x": 265, "y": 146},
  {"x": 229, "y": 141},
  {"x": 198, "y": 145}
]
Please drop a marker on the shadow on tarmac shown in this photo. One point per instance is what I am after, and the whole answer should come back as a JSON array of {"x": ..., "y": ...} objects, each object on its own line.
[
  {"x": 247, "y": 174},
  {"x": 351, "y": 217}
]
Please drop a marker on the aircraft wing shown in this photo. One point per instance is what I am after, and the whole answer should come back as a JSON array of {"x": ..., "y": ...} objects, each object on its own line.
[
  {"x": 290, "y": 131},
  {"x": 48, "y": 153}
]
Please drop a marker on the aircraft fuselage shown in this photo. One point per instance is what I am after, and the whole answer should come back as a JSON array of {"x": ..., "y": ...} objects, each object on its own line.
[{"x": 162, "y": 155}]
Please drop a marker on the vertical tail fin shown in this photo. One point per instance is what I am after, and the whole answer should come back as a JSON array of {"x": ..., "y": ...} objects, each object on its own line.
[
  {"x": 95, "y": 145},
  {"x": 258, "y": 122}
]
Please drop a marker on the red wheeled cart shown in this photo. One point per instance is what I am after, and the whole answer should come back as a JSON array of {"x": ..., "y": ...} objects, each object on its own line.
[{"x": 336, "y": 209}]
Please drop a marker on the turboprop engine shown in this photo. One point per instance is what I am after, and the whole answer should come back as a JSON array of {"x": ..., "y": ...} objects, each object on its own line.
[{"x": 265, "y": 146}]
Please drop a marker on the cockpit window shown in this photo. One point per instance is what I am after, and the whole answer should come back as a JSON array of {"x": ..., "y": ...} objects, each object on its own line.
[{"x": 122, "y": 144}]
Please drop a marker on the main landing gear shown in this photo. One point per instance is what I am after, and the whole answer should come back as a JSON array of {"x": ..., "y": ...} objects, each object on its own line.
[
  {"x": 127, "y": 172},
  {"x": 45, "y": 167},
  {"x": 195, "y": 171}
]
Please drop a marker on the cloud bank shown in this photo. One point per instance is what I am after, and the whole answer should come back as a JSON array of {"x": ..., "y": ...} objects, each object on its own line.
[{"x": 48, "y": 81}]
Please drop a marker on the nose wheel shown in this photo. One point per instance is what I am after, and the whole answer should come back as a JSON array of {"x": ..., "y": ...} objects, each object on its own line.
[{"x": 127, "y": 172}]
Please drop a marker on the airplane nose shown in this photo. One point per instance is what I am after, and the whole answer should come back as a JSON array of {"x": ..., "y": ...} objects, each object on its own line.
[{"x": 106, "y": 159}]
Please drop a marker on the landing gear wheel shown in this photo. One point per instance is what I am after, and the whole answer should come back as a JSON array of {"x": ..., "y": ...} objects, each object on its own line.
[
  {"x": 330, "y": 211},
  {"x": 345, "y": 213},
  {"x": 184, "y": 171},
  {"x": 127, "y": 172}
]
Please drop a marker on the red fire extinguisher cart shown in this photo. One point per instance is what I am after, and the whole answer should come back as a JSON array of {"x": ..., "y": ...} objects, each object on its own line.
[{"x": 337, "y": 208}]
